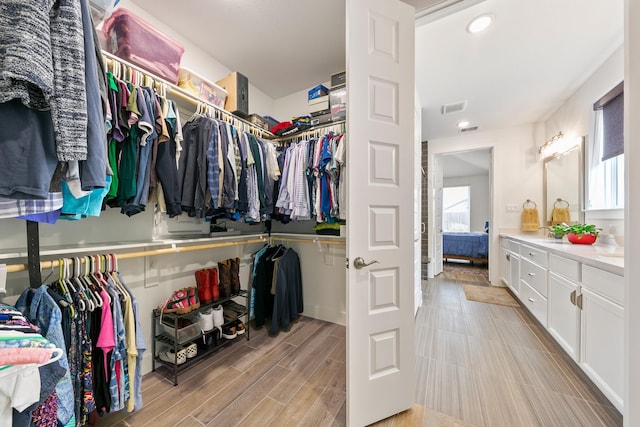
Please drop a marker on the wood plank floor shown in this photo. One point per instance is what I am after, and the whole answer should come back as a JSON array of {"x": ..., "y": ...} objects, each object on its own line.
[{"x": 476, "y": 365}]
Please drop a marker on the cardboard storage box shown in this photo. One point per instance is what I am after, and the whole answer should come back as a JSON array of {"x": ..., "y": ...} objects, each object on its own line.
[
  {"x": 136, "y": 41},
  {"x": 317, "y": 92},
  {"x": 259, "y": 121},
  {"x": 319, "y": 105},
  {"x": 237, "y": 87},
  {"x": 338, "y": 79}
]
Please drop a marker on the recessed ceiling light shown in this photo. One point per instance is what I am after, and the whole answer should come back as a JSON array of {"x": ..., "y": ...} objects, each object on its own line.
[
  {"x": 480, "y": 23},
  {"x": 463, "y": 124}
]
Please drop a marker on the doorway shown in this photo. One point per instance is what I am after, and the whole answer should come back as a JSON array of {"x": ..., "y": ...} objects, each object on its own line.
[{"x": 470, "y": 171}]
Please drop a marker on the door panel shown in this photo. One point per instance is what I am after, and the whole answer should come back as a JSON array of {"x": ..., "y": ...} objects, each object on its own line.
[{"x": 380, "y": 127}]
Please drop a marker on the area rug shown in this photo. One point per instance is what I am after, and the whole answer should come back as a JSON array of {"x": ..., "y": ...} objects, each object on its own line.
[
  {"x": 490, "y": 295},
  {"x": 465, "y": 272}
]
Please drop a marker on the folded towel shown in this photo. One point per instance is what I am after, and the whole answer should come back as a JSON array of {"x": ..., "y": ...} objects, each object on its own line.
[
  {"x": 560, "y": 215},
  {"x": 530, "y": 219}
]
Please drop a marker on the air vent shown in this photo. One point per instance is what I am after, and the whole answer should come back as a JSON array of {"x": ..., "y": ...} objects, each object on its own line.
[
  {"x": 454, "y": 107},
  {"x": 469, "y": 129}
]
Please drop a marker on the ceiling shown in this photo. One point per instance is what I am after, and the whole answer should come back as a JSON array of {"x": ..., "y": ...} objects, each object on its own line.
[{"x": 519, "y": 71}]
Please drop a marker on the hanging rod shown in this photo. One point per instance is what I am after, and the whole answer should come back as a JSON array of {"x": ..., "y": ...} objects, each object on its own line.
[
  {"x": 321, "y": 241},
  {"x": 178, "y": 91},
  {"x": 14, "y": 268}
]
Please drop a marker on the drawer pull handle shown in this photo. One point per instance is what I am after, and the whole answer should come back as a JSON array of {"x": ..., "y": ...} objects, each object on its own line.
[
  {"x": 579, "y": 302},
  {"x": 531, "y": 299},
  {"x": 572, "y": 297},
  {"x": 508, "y": 257},
  {"x": 531, "y": 274},
  {"x": 532, "y": 254}
]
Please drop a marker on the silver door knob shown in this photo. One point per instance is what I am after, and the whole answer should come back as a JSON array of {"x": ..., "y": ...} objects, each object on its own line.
[{"x": 360, "y": 263}]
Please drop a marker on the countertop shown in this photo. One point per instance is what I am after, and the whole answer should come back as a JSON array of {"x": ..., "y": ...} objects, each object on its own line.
[{"x": 605, "y": 257}]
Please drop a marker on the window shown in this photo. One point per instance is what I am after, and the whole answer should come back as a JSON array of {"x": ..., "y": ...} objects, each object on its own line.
[
  {"x": 456, "y": 209},
  {"x": 605, "y": 158}
]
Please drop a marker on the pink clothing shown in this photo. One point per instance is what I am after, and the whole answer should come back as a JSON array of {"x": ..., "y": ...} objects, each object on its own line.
[
  {"x": 106, "y": 339},
  {"x": 23, "y": 356}
]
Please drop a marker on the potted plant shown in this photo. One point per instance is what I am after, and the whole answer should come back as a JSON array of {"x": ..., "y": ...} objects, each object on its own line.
[{"x": 585, "y": 234}]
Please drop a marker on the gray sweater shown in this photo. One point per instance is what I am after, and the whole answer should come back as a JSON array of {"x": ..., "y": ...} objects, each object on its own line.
[{"x": 42, "y": 64}]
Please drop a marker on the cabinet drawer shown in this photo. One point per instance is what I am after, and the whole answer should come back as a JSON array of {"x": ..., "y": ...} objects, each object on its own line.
[
  {"x": 602, "y": 282},
  {"x": 513, "y": 246},
  {"x": 535, "y": 303},
  {"x": 565, "y": 267},
  {"x": 534, "y": 275},
  {"x": 534, "y": 255}
]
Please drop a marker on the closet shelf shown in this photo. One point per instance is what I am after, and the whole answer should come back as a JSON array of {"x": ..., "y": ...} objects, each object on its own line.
[
  {"x": 188, "y": 97},
  {"x": 309, "y": 131},
  {"x": 243, "y": 293}
]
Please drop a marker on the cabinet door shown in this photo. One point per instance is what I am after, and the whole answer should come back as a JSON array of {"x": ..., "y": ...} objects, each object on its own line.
[
  {"x": 564, "y": 316},
  {"x": 514, "y": 265},
  {"x": 505, "y": 266},
  {"x": 602, "y": 344}
]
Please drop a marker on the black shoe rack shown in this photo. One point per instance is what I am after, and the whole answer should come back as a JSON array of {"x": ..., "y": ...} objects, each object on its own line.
[{"x": 170, "y": 331}]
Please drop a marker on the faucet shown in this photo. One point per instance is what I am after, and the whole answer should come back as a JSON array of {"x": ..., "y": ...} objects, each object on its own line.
[{"x": 549, "y": 234}]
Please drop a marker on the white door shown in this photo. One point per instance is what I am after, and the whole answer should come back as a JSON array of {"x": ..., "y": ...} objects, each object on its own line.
[
  {"x": 438, "y": 183},
  {"x": 380, "y": 111}
]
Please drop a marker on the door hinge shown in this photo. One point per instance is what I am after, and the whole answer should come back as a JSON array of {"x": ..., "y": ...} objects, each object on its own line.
[{"x": 346, "y": 262}]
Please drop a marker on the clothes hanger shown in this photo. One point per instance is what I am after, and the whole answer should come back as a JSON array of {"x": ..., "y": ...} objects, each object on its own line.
[
  {"x": 116, "y": 277},
  {"x": 88, "y": 292},
  {"x": 74, "y": 278}
]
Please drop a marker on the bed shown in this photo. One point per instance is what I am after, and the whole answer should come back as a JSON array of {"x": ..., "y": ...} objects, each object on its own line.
[{"x": 472, "y": 247}]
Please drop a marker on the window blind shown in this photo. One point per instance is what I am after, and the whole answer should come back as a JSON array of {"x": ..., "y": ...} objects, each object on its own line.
[{"x": 612, "y": 105}]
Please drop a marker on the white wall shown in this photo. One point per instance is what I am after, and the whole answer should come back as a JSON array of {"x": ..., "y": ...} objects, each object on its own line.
[
  {"x": 201, "y": 63},
  {"x": 575, "y": 118},
  {"x": 517, "y": 176},
  {"x": 293, "y": 105},
  {"x": 480, "y": 203}
]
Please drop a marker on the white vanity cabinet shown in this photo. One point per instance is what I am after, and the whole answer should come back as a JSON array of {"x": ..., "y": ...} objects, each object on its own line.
[
  {"x": 533, "y": 281},
  {"x": 578, "y": 301},
  {"x": 563, "y": 312},
  {"x": 602, "y": 331}
]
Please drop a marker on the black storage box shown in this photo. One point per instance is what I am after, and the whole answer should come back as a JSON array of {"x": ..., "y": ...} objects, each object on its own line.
[{"x": 259, "y": 121}]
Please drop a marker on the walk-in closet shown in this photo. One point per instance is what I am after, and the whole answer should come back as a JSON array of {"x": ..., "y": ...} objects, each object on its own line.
[{"x": 214, "y": 249}]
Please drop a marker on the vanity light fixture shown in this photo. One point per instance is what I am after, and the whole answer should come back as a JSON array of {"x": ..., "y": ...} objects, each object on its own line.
[
  {"x": 557, "y": 145},
  {"x": 480, "y": 23}
]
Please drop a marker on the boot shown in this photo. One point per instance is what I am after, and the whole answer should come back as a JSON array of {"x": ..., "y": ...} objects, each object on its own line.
[
  {"x": 203, "y": 282},
  {"x": 235, "y": 275},
  {"x": 215, "y": 283},
  {"x": 224, "y": 270}
]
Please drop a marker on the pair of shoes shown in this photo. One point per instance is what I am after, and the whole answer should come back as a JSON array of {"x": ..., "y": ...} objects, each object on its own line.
[
  {"x": 208, "y": 286},
  {"x": 229, "y": 270},
  {"x": 229, "y": 331},
  {"x": 182, "y": 301},
  {"x": 170, "y": 357},
  {"x": 240, "y": 328},
  {"x": 192, "y": 350}
]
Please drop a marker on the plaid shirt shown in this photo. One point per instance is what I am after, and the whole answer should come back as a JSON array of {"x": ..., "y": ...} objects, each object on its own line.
[{"x": 10, "y": 208}]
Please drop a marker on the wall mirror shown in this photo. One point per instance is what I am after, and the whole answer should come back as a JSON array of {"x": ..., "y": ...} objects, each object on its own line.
[{"x": 563, "y": 185}]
